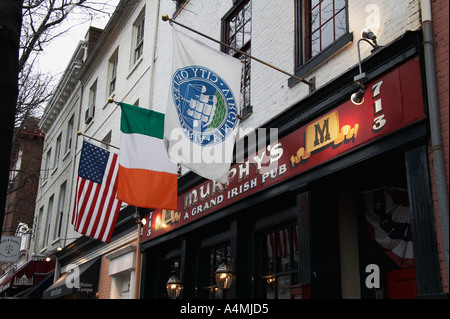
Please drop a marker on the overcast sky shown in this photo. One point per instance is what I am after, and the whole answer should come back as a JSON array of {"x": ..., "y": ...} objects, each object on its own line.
[{"x": 55, "y": 57}]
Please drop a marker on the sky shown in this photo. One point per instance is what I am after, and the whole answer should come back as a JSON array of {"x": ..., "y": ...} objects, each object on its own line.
[{"x": 56, "y": 56}]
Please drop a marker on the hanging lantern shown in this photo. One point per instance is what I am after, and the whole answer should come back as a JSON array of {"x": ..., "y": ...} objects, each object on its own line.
[
  {"x": 223, "y": 276},
  {"x": 174, "y": 286}
]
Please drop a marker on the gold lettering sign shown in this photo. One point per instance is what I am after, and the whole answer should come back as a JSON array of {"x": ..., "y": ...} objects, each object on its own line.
[{"x": 322, "y": 132}]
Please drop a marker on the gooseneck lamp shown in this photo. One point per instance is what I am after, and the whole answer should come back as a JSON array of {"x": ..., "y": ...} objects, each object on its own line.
[{"x": 369, "y": 37}]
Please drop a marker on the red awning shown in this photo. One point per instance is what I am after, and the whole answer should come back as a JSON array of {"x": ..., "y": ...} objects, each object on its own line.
[{"x": 28, "y": 275}]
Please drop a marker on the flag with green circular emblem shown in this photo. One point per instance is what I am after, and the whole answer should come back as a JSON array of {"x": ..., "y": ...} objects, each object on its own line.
[{"x": 202, "y": 116}]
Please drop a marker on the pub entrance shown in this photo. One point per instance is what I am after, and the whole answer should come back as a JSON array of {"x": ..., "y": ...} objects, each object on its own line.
[
  {"x": 344, "y": 235},
  {"x": 361, "y": 239}
]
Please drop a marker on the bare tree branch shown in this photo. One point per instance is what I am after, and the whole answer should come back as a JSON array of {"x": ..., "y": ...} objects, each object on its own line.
[
  {"x": 21, "y": 178},
  {"x": 41, "y": 18},
  {"x": 43, "y": 22}
]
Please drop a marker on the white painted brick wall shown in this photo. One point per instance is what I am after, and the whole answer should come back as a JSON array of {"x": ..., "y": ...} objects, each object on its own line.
[{"x": 273, "y": 42}]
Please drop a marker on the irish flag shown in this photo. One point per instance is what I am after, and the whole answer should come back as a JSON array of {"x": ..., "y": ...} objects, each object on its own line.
[{"x": 147, "y": 177}]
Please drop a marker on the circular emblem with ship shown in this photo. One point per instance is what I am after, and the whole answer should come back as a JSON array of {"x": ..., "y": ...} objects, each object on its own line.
[{"x": 205, "y": 105}]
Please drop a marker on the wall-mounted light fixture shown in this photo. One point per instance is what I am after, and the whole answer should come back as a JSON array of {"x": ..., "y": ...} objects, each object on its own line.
[
  {"x": 51, "y": 254},
  {"x": 224, "y": 276},
  {"x": 139, "y": 216},
  {"x": 60, "y": 240},
  {"x": 358, "y": 97},
  {"x": 361, "y": 79}
]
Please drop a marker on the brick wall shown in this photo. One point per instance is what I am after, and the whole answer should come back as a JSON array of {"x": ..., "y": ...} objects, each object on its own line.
[
  {"x": 92, "y": 37},
  {"x": 21, "y": 197},
  {"x": 104, "y": 281},
  {"x": 440, "y": 29},
  {"x": 440, "y": 11},
  {"x": 273, "y": 30}
]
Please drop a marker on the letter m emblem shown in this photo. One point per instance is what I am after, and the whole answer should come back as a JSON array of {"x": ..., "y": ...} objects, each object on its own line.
[{"x": 322, "y": 132}]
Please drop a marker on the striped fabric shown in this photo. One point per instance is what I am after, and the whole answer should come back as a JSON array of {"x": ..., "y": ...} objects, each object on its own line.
[
  {"x": 96, "y": 206},
  {"x": 147, "y": 177},
  {"x": 282, "y": 243}
]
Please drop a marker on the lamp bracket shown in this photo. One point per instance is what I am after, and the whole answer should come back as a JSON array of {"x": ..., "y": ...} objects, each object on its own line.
[{"x": 361, "y": 78}]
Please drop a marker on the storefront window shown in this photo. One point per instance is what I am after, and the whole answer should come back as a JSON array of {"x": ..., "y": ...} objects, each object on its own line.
[
  {"x": 213, "y": 258},
  {"x": 281, "y": 262}
]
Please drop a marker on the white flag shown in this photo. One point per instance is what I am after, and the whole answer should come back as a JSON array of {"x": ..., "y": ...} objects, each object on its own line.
[{"x": 203, "y": 106}]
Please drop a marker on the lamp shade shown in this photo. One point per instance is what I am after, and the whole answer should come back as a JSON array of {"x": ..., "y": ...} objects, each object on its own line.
[{"x": 358, "y": 97}]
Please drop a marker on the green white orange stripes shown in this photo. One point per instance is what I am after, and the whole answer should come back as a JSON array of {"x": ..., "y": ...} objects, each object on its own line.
[{"x": 147, "y": 177}]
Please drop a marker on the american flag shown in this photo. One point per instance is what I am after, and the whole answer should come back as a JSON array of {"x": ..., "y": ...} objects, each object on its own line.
[
  {"x": 283, "y": 243},
  {"x": 96, "y": 205}
]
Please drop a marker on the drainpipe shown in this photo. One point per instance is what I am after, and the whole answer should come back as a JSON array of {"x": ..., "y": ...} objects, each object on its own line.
[
  {"x": 435, "y": 124},
  {"x": 155, "y": 44}
]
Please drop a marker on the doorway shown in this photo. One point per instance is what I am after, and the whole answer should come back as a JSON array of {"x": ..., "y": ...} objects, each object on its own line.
[{"x": 361, "y": 240}]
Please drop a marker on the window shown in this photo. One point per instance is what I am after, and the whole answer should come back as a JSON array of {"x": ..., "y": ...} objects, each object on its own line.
[
  {"x": 170, "y": 266},
  {"x": 49, "y": 220},
  {"x": 326, "y": 22},
  {"x": 37, "y": 231},
  {"x": 212, "y": 258},
  {"x": 47, "y": 164},
  {"x": 90, "y": 112},
  {"x": 57, "y": 150},
  {"x": 122, "y": 271},
  {"x": 93, "y": 94},
  {"x": 179, "y": 6},
  {"x": 121, "y": 285},
  {"x": 238, "y": 31},
  {"x": 69, "y": 135},
  {"x": 15, "y": 171},
  {"x": 321, "y": 30},
  {"x": 106, "y": 141},
  {"x": 139, "y": 38},
  {"x": 60, "y": 213},
  {"x": 280, "y": 262},
  {"x": 113, "y": 62}
]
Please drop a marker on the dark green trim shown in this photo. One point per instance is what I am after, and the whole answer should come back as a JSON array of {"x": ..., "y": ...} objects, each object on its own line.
[{"x": 422, "y": 222}]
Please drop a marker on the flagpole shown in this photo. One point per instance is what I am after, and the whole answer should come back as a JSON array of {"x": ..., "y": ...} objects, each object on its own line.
[
  {"x": 79, "y": 133},
  {"x": 139, "y": 216},
  {"x": 165, "y": 17},
  {"x": 137, "y": 267}
]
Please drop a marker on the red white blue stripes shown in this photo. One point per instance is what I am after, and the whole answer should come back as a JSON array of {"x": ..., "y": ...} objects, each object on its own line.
[{"x": 96, "y": 204}]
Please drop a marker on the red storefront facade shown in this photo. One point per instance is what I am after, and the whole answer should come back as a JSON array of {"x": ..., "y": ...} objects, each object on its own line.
[
  {"x": 392, "y": 102},
  {"x": 339, "y": 206}
]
